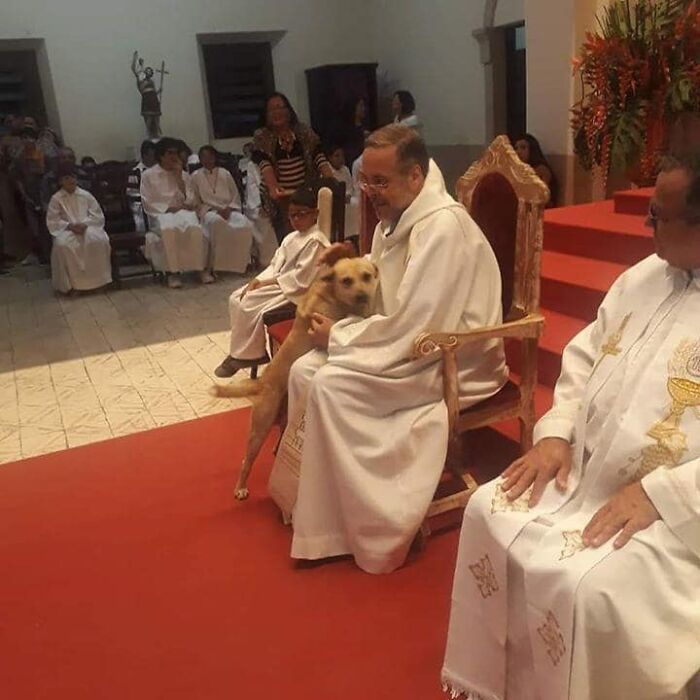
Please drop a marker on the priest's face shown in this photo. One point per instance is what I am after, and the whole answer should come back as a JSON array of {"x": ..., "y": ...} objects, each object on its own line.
[
  {"x": 676, "y": 229},
  {"x": 390, "y": 187}
]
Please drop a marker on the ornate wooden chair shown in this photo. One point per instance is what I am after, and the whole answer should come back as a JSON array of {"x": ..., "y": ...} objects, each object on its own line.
[
  {"x": 507, "y": 201},
  {"x": 368, "y": 222},
  {"x": 109, "y": 187}
]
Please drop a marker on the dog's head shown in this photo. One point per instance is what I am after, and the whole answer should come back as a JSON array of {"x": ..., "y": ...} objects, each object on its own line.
[{"x": 353, "y": 282}]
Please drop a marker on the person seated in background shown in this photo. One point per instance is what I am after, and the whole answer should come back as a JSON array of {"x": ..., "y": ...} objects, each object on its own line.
[
  {"x": 190, "y": 160},
  {"x": 403, "y": 105},
  {"x": 86, "y": 173},
  {"x": 133, "y": 183},
  {"x": 27, "y": 172},
  {"x": 529, "y": 151},
  {"x": 579, "y": 567},
  {"x": 264, "y": 237},
  {"x": 290, "y": 273},
  {"x": 176, "y": 242},
  {"x": 80, "y": 256},
  {"x": 374, "y": 435},
  {"x": 49, "y": 184},
  {"x": 48, "y": 143},
  {"x": 336, "y": 157},
  {"x": 230, "y": 232},
  {"x": 351, "y": 130}
]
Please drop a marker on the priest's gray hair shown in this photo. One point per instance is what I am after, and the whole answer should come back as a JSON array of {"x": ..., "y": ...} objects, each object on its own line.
[
  {"x": 690, "y": 163},
  {"x": 410, "y": 147}
]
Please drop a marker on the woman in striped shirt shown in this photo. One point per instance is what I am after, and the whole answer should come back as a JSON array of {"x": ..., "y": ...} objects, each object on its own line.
[{"x": 289, "y": 154}]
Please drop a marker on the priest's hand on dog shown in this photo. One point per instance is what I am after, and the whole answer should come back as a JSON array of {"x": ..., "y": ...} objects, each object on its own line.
[
  {"x": 629, "y": 511},
  {"x": 549, "y": 459},
  {"x": 320, "y": 330}
]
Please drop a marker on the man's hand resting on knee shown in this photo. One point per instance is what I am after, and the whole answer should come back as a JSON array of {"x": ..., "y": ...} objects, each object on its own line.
[
  {"x": 320, "y": 330},
  {"x": 627, "y": 512},
  {"x": 549, "y": 459}
]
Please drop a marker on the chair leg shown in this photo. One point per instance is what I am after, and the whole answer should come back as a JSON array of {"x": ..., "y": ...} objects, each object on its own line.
[{"x": 254, "y": 372}]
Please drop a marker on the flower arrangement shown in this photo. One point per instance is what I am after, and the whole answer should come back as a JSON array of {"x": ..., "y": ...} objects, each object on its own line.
[{"x": 637, "y": 73}]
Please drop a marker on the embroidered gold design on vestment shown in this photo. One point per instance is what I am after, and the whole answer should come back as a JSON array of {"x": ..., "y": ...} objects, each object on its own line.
[
  {"x": 501, "y": 504},
  {"x": 573, "y": 544},
  {"x": 611, "y": 347},
  {"x": 551, "y": 635},
  {"x": 683, "y": 386},
  {"x": 485, "y": 576}
]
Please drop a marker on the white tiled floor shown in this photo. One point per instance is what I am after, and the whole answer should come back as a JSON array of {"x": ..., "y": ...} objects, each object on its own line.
[{"x": 75, "y": 370}]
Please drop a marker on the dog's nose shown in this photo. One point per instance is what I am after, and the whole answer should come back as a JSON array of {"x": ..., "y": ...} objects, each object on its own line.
[{"x": 361, "y": 298}]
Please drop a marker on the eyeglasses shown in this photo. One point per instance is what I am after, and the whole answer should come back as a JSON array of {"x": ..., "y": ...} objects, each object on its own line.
[
  {"x": 367, "y": 186},
  {"x": 301, "y": 214},
  {"x": 653, "y": 219}
]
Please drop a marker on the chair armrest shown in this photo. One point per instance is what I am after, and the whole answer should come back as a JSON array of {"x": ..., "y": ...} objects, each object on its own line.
[
  {"x": 283, "y": 313},
  {"x": 428, "y": 343}
]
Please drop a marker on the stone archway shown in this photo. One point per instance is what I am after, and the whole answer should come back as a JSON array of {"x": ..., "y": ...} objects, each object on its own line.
[{"x": 484, "y": 35}]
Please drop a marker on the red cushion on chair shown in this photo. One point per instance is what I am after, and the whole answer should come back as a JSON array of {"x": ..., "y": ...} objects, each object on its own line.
[
  {"x": 495, "y": 209},
  {"x": 280, "y": 331}
]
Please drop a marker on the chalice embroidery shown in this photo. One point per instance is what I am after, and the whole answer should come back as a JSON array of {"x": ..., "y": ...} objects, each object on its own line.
[{"x": 683, "y": 386}]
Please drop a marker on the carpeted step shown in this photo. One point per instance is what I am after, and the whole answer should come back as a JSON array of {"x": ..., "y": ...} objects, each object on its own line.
[
  {"x": 633, "y": 201},
  {"x": 558, "y": 331},
  {"x": 596, "y": 231},
  {"x": 573, "y": 285}
]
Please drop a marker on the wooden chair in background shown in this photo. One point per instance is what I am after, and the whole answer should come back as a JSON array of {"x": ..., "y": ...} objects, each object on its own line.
[
  {"x": 109, "y": 188},
  {"x": 507, "y": 201}
]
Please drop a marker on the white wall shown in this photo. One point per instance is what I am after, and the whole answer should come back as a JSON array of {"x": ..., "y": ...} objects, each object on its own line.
[
  {"x": 89, "y": 44},
  {"x": 428, "y": 48}
]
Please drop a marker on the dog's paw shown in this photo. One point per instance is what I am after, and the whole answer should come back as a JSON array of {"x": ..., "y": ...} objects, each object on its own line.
[
  {"x": 241, "y": 494},
  {"x": 215, "y": 390}
]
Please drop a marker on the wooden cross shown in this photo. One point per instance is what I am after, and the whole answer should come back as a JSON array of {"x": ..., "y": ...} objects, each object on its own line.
[{"x": 163, "y": 73}]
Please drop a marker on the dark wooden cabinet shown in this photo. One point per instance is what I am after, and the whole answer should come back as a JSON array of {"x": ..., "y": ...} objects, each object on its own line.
[{"x": 334, "y": 89}]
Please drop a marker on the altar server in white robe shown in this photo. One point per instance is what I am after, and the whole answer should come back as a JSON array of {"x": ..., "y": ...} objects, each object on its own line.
[
  {"x": 176, "y": 242},
  {"x": 290, "y": 273},
  {"x": 578, "y": 574},
  {"x": 341, "y": 172},
  {"x": 80, "y": 255},
  {"x": 374, "y": 420},
  {"x": 264, "y": 238},
  {"x": 230, "y": 232}
]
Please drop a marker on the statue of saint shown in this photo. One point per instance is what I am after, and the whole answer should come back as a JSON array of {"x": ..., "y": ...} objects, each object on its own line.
[{"x": 150, "y": 96}]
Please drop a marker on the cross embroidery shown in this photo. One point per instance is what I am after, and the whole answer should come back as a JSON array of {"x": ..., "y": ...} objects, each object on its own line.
[
  {"x": 485, "y": 577},
  {"x": 573, "y": 544},
  {"x": 501, "y": 504},
  {"x": 611, "y": 347},
  {"x": 551, "y": 635}
]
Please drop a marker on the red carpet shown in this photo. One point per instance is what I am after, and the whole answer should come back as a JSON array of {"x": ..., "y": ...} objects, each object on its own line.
[{"x": 127, "y": 571}]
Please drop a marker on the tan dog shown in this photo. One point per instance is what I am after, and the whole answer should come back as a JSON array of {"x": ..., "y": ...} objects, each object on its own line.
[{"x": 347, "y": 289}]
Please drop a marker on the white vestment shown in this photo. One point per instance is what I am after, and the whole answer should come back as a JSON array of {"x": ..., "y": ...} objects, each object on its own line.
[
  {"x": 265, "y": 240},
  {"x": 535, "y": 615},
  {"x": 78, "y": 261},
  {"x": 231, "y": 239},
  {"x": 294, "y": 268},
  {"x": 176, "y": 241},
  {"x": 375, "y": 423},
  {"x": 352, "y": 201}
]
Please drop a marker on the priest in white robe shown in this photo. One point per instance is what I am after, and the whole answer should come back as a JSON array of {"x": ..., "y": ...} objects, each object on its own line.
[
  {"x": 290, "y": 273},
  {"x": 80, "y": 255},
  {"x": 371, "y": 422},
  {"x": 230, "y": 232},
  {"x": 176, "y": 242},
  {"x": 578, "y": 573},
  {"x": 264, "y": 238}
]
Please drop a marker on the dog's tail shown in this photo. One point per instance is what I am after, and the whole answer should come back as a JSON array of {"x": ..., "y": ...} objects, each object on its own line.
[{"x": 248, "y": 387}]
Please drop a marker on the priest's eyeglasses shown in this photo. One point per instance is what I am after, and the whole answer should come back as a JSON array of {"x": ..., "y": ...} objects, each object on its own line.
[
  {"x": 367, "y": 186},
  {"x": 653, "y": 219}
]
